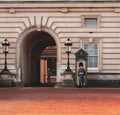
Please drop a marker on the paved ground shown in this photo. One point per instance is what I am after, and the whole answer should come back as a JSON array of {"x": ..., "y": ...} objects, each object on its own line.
[{"x": 59, "y": 101}]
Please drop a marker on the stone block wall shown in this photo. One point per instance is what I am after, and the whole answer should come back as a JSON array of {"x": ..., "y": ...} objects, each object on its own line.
[{"x": 65, "y": 20}]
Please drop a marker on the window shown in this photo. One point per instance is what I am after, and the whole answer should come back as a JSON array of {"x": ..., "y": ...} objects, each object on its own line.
[
  {"x": 90, "y": 22},
  {"x": 92, "y": 50}
]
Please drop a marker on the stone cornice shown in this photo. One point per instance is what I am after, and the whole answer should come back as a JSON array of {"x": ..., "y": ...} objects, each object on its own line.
[{"x": 59, "y": 4}]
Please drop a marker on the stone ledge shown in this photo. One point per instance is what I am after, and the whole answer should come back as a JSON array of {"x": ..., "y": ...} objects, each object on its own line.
[
  {"x": 7, "y": 83},
  {"x": 103, "y": 83},
  {"x": 65, "y": 83}
]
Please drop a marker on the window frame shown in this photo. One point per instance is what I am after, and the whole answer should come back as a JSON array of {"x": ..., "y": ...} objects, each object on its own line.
[
  {"x": 91, "y": 16},
  {"x": 94, "y": 68}
]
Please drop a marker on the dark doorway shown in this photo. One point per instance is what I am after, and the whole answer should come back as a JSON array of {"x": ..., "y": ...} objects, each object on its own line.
[{"x": 38, "y": 47}]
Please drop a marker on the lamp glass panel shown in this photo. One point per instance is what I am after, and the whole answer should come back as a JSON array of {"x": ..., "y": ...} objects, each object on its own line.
[{"x": 5, "y": 48}]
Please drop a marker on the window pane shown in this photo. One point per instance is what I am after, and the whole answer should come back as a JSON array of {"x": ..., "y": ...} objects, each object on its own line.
[
  {"x": 90, "y": 22},
  {"x": 95, "y": 46},
  {"x": 85, "y": 47},
  {"x": 95, "y": 52},
  {"x": 90, "y": 46},
  {"x": 96, "y": 59},
  {"x": 91, "y": 59},
  {"x": 90, "y": 52},
  {"x": 95, "y": 64},
  {"x": 91, "y": 65}
]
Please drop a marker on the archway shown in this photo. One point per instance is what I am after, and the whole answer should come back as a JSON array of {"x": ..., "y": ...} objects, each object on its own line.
[{"x": 31, "y": 48}]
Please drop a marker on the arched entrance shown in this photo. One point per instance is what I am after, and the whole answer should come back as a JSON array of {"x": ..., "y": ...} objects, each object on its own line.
[{"x": 36, "y": 52}]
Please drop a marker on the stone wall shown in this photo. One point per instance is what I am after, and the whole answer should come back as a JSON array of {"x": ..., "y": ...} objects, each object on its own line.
[{"x": 65, "y": 19}]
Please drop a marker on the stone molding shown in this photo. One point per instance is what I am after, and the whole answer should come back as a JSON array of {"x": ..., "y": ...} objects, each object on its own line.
[{"x": 59, "y": 3}]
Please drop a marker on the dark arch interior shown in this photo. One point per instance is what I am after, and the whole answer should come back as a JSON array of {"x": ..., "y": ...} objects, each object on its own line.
[{"x": 33, "y": 47}]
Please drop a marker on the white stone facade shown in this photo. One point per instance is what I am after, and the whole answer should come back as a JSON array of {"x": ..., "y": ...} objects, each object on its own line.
[{"x": 62, "y": 20}]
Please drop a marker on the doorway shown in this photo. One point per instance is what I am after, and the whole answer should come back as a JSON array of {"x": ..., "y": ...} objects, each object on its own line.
[
  {"x": 48, "y": 66},
  {"x": 38, "y": 53}
]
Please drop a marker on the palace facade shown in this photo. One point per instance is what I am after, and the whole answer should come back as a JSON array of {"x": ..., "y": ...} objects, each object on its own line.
[{"x": 38, "y": 29}]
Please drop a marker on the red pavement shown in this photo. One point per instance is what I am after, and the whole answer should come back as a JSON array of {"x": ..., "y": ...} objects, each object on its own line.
[{"x": 59, "y": 101}]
